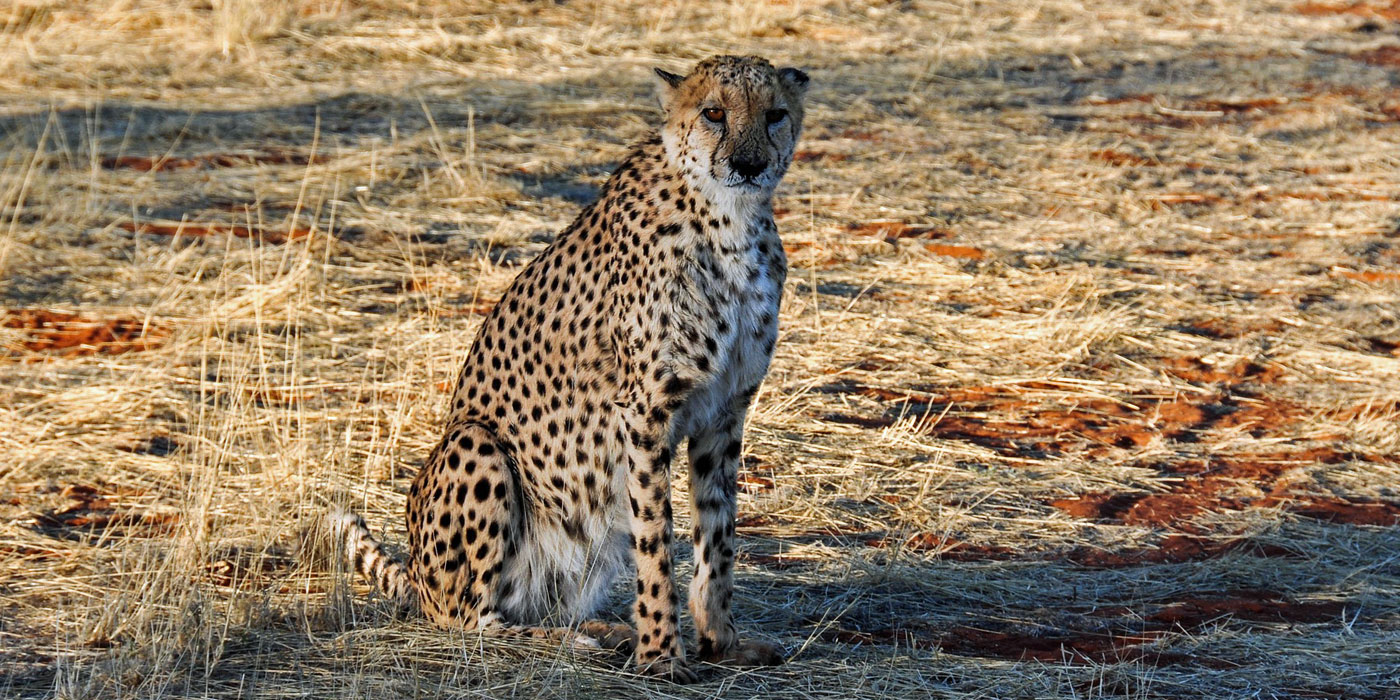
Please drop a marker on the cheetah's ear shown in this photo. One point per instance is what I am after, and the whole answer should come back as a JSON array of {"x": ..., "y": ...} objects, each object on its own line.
[
  {"x": 672, "y": 80},
  {"x": 795, "y": 80},
  {"x": 668, "y": 83}
]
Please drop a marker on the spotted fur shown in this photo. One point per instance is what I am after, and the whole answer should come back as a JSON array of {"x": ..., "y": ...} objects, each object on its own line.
[{"x": 650, "y": 320}]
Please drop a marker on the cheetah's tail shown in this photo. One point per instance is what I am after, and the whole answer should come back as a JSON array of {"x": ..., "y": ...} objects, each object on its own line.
[{"x": 369, "y": 556}]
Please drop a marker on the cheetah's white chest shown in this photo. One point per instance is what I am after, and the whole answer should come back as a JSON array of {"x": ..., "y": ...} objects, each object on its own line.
[{"x": 745, "y": 338}]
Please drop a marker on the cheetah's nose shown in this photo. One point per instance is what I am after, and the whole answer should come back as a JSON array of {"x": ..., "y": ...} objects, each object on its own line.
[{"x": 748, "y": 166}]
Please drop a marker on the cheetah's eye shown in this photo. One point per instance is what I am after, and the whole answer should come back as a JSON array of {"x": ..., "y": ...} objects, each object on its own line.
[
  {"x": 714, "y": 114},
  {"x": 775, "y": 115}
]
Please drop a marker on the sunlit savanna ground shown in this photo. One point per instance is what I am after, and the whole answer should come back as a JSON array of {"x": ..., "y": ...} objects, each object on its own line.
[{"x": 1087, "y": 385}]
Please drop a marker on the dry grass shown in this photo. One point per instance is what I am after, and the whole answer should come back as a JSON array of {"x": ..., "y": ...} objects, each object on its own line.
[{"x": 1088, "y": 383}]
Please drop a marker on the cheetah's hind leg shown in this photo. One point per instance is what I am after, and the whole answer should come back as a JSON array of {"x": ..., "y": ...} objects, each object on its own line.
[{"x": 465, "y": 521}]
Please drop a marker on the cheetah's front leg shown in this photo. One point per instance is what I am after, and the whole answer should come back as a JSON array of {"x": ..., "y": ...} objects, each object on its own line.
[
  {"x": 659, "y": 650},
  {"x": 714, "y": 468}
]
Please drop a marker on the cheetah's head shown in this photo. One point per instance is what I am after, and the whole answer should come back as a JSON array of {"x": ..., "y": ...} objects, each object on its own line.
[{"x": 733, "y": 122}]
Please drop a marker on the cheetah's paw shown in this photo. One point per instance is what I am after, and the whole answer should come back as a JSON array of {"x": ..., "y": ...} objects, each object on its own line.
[
  {"x": 672, "y": 669},
  {"x": 750, "y": 652}
]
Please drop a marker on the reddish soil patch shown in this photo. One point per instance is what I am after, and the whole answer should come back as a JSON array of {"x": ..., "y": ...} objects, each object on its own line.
[
  {"x": 1166, "y": 509},
  {"x": 1012, "y": 424},
  {"x": 1259, "y": 465},
  {"x": 201, "y": 230},
  {"x": 893, "y": 231},
  {"x": 1019, "y": 431},
  {"x": 80, "y": 516},
  {"x": 1057, "y": 648},
  {"x": 752, "y": 483},
  {"x": 1231, "y": 483},
  {"x": 956, "y": 251},
  {"x": 96, "y": 510},
  {"x": 1372, "y": 276},
  {"x": 1094, "y": 425},
  {"x": 1384, "y": 56},
  {"x": 1005, "y": 419},
  {"x": 862, "y": 135},
  {"x": 1238, "y": 105},
  {"x": 1349, "y": 512},
  {"x": 1096, "y": 505},
  {"x": 1256, "y": 606},
  {"x": 72, "y": 335},
  {"x": 208, "y": 160},
  {"x": 1109, "y": 155},
  {"x": 1359, "y": 9},
  {"x": 1193, "y": 369},
  {"x": 862, "y": 421},
  {"x": 31, "y": 553}
]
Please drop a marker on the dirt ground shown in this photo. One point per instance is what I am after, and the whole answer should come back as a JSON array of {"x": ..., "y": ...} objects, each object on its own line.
[{"x": 1088, "y": 383}]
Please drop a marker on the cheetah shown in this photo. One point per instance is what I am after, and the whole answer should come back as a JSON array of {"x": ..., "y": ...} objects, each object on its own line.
[{"x": 650, "y": 319}]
